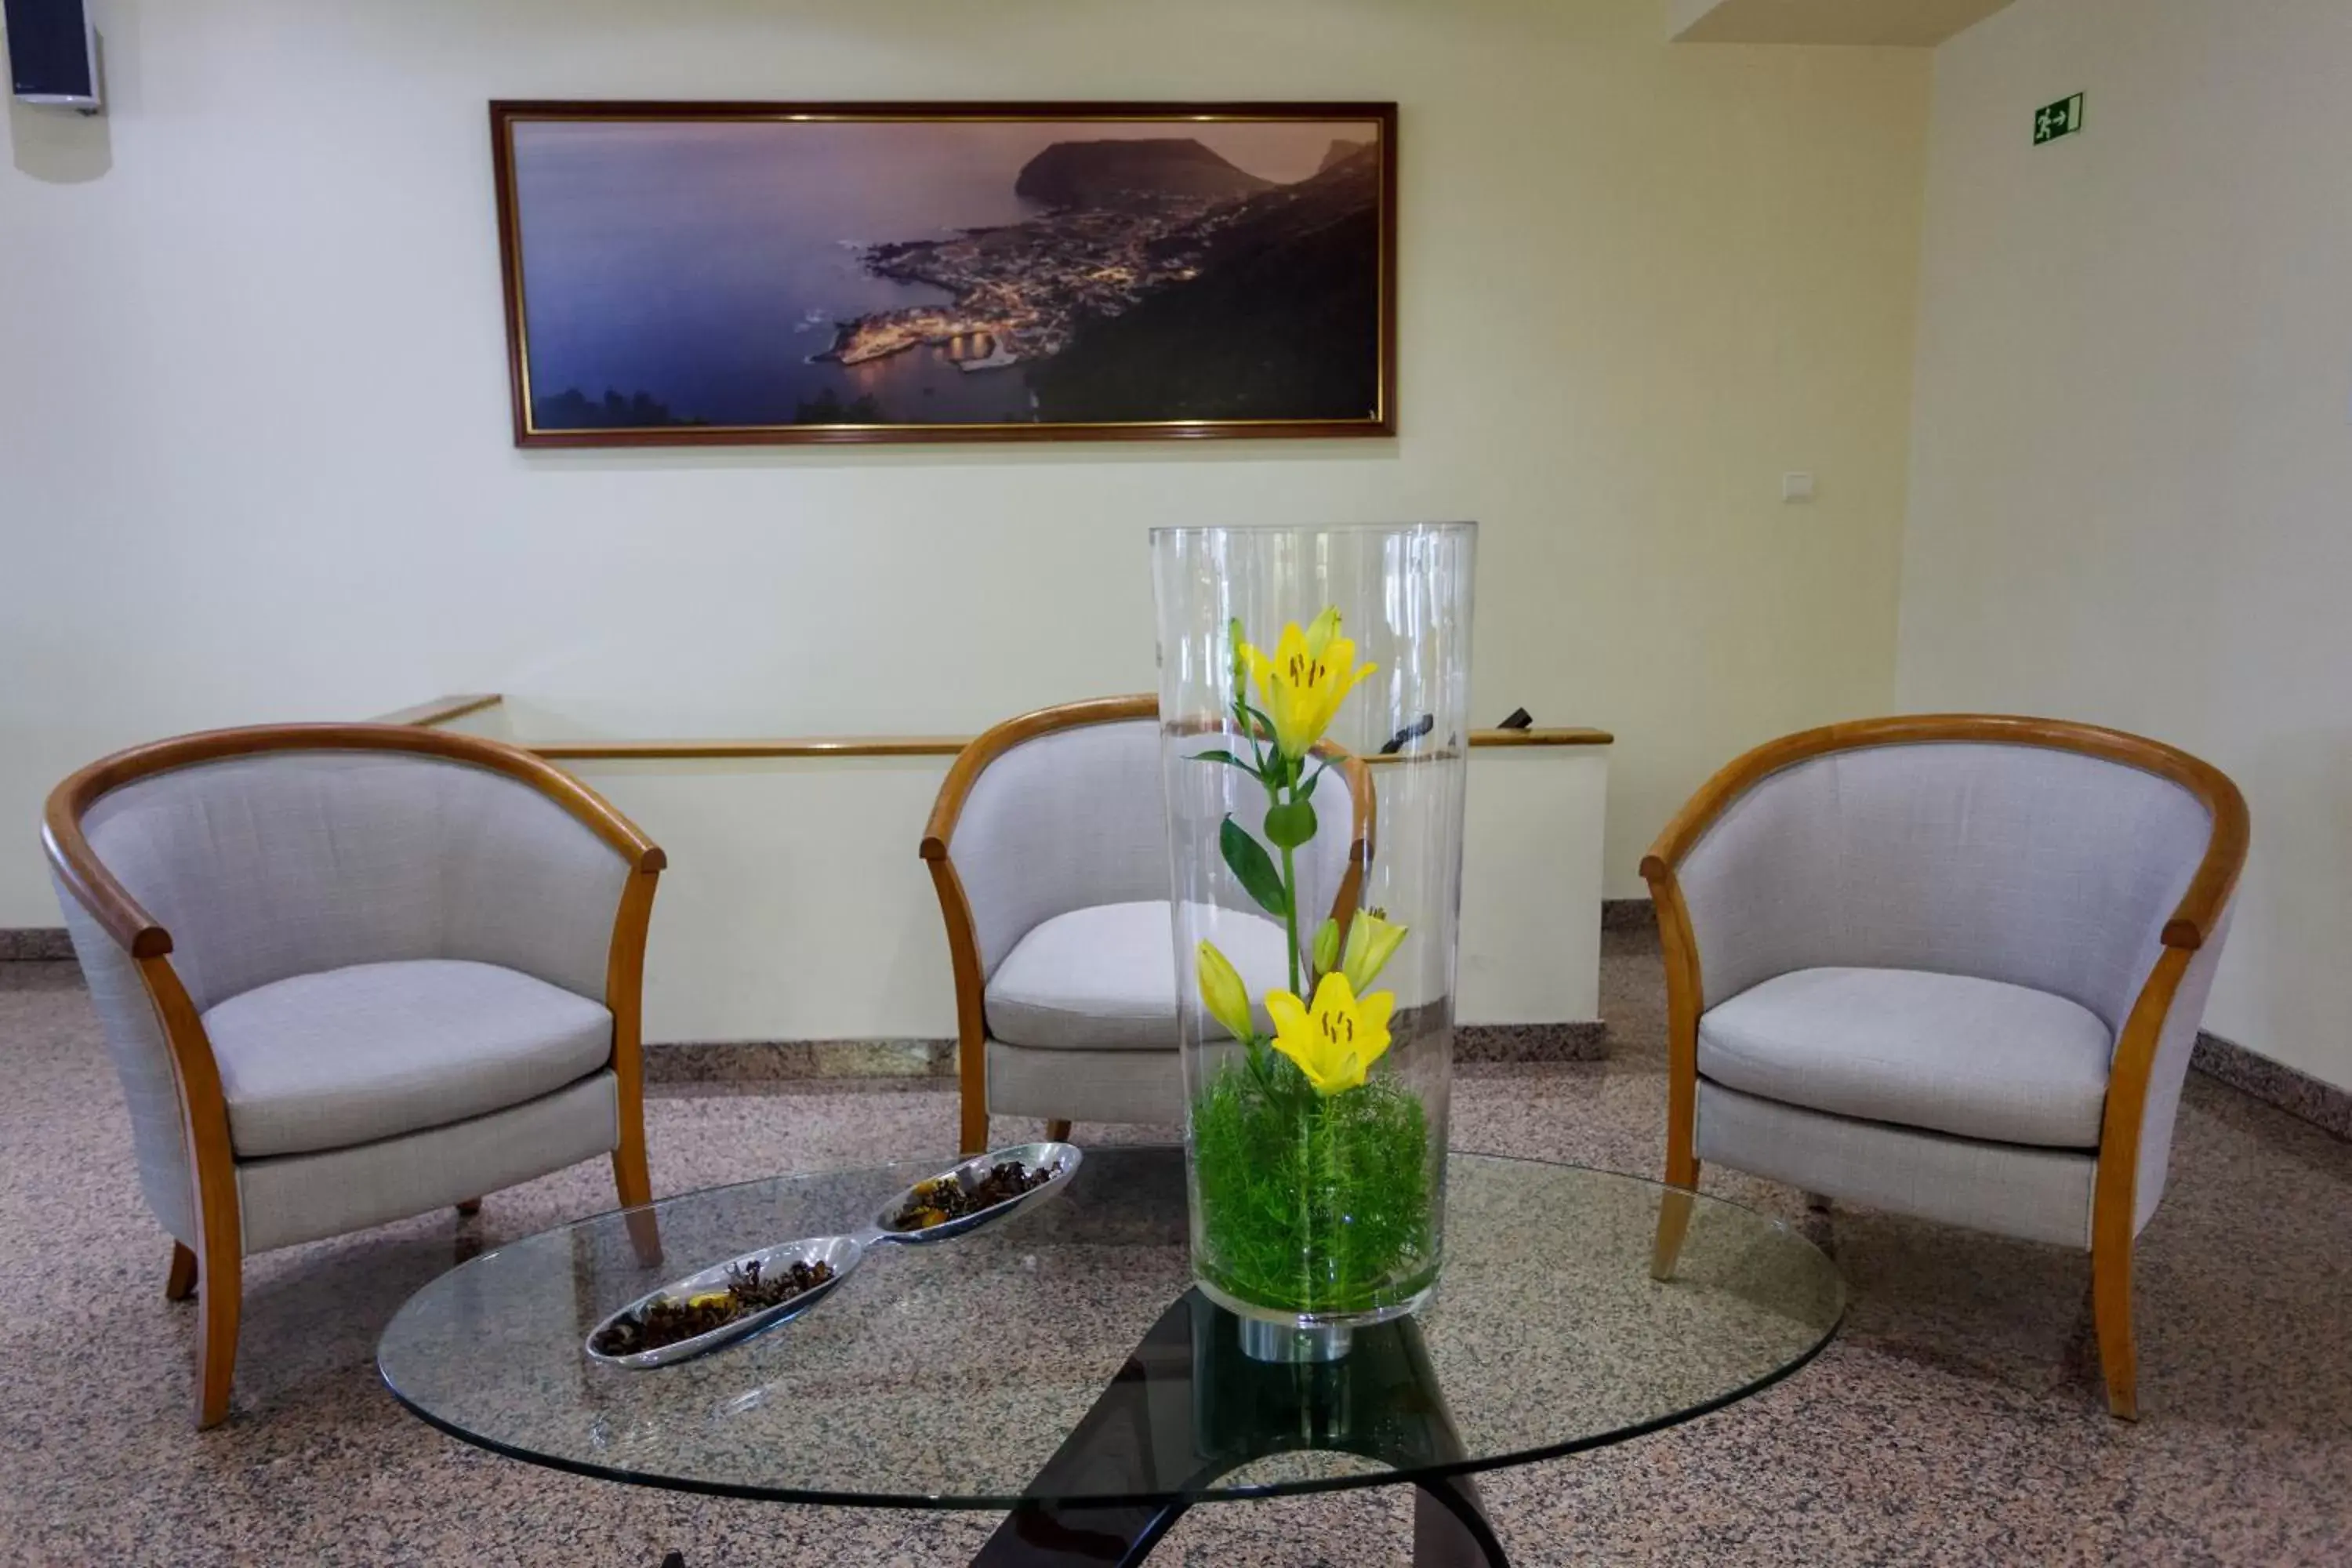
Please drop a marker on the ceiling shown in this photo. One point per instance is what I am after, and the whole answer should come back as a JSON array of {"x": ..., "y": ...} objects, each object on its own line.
[{"x": 1914, "y": 22}]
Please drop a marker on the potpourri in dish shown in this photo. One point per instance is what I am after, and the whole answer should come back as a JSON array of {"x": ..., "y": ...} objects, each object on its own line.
[
  {"x": 944, "y": 1198},
  {"x": 667, "y": 1322}
]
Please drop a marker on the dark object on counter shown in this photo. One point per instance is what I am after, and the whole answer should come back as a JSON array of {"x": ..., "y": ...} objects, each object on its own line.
[
  {"x": 1519, "y": 720},
  {"x": 1413, "y": 731},
  {"x": 944, "y": 1198},
  {"x": 667, "y": 1322}
]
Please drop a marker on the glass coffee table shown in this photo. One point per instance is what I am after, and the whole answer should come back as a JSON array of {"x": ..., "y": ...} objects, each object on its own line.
[{"x": 1058, "y": 1365}]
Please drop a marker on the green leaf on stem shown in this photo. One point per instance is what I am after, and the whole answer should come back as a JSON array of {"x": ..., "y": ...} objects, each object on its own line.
[
  {"x": 1255, "y": 866},
  {"x": 1241, "y": 763}
]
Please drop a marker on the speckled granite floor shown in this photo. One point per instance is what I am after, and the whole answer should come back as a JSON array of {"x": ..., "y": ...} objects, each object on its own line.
[{"x": 1956, "y": 1420}]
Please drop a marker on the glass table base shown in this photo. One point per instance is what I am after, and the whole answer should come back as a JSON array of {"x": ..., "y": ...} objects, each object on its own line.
[{"x": 1380, "y": 1401}]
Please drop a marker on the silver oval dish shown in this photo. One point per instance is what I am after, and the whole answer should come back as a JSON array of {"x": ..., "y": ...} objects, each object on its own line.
[
  {"x": 1060, "y": 1161},
  {"x": 844, "y": 1253},
  {"x": 841, "y": 1253}
]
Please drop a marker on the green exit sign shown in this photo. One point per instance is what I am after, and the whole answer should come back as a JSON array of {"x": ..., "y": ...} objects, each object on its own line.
[{"x": 2062, "y": 118}]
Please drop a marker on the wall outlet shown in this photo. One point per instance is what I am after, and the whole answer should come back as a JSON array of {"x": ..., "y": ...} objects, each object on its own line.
[{"x": 1795, "y": 487}]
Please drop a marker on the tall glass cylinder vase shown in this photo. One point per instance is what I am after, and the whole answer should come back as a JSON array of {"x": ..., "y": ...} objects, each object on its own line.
[{"x": 1314, "y": 704}]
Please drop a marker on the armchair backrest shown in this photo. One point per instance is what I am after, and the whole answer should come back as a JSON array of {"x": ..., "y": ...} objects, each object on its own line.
[
  {"x": 272, "y": 862},
  {"x": 2048, "y": 855},
  {"x": 1063, "y": 820},
  {"x": 1064, "y": 809}
]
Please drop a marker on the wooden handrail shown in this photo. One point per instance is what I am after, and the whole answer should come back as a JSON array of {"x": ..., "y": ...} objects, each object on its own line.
[
  {"x": 1538, "y": 735},
  {"x": 444, "y": 709},
  {"x": 788, "y": 746},
  {"x": 441, "y": 709}
]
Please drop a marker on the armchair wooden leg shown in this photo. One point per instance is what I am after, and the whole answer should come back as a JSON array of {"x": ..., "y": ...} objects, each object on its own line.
[
  {"x": 1674, "y": 1218},
  {"x": 220, "y": 1295},
  {"x": 181, "y": 1283},
  {"x": 972, "y": 1118},
  {"x": 1057, "y": 1131},
  {"x": 630, "y": 1179},
  {"x": 636, "y": 1190},
  {"x": 1682, "y": 1180},
  {"x": 2111, "y": 1311},
  {"x": 1684, "y": 995}
]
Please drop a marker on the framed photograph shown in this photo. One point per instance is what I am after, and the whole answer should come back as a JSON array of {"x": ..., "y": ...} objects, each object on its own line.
[{"x": 716, "y": 273}]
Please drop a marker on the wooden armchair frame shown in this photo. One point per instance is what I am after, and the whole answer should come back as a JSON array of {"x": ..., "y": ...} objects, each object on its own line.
[
  {"x": 955, "y": 907},
  {"x": 2192, "y": 923},
  {"x": 214, "y": 1270}
]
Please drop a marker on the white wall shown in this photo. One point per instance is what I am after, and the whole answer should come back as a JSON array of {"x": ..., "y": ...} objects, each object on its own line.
[
  {"x": 2132, "y": 499},
  {"x": 255, "y": 464}
]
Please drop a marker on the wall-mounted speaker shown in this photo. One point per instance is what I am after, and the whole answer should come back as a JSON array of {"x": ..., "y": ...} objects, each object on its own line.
[{"x": 53, "y": 53}]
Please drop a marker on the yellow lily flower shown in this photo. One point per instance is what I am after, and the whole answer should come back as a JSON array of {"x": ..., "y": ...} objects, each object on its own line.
[
  {"x": 1302, "y": 686},
  {"x": 1338, "y": 1038},
  {"x": 1371, "y": 941},
  {"x": 1222, "y": 992}
]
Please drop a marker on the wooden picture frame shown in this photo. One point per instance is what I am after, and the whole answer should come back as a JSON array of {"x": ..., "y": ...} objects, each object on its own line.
[{"x": 734, "y": 273}]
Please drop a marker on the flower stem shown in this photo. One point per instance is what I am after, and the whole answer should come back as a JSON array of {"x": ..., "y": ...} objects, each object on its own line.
[
  {"x": 1255, "y": 1050},
  {"x": 1290, "y": 914}
]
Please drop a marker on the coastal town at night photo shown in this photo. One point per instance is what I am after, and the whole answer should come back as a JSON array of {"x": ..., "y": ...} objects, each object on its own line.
[{"x": 771, "y": 277}]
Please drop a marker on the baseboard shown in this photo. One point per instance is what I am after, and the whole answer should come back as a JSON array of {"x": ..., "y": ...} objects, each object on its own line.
[
  {"x": 782, "y": 1061},
  {"x": 1628, "y": 914},
  {"x": 35, "y": 945},
  {"x": 2274, "y": 1083},
  {"x": 786, "y": 1061}
]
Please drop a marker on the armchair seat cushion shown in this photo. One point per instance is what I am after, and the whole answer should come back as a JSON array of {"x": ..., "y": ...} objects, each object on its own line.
[
  {"x": 1980, "y": 1058},
  {"x": 1104, "y": 978},
  {"x": 376, "y": 1050}
]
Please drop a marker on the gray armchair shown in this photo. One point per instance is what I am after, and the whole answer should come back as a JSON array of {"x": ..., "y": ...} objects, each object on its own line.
[
  {"x": 1952, "y": 967},
  {"x": 1048, "y": 845},
  {"x": 350, "y": 973}
]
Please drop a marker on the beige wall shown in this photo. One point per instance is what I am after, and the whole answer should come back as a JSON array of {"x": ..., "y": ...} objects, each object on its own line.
[
  {"x": 2132, "y": 499},
  {"x": 253, "y": 402}
]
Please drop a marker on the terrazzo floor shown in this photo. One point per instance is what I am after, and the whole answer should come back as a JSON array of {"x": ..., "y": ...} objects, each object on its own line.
[{"x": 1956, "y": 1420}]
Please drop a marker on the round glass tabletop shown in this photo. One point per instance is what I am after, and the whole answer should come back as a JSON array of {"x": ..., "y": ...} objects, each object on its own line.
[{"x": 1059, "y": 1354}]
